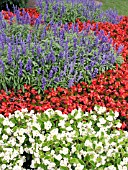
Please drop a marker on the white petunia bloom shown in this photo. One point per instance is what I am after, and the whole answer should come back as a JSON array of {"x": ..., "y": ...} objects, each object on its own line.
[{"x": 47, "y": 125}]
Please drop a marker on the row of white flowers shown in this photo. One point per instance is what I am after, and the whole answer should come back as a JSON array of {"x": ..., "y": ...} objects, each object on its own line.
[{"x": 56, "y": 141}]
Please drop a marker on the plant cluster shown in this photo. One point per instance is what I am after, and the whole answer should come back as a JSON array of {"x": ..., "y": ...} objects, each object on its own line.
[
  {"x": 68, "y": 11},
  {"x": 56, "y": 141},
  {"x": 57, "y": 57}
]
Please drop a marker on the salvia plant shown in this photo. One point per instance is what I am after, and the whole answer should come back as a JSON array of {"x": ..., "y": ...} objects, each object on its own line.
[
  {"x": 69, "y": 10},
  {"x": 55, "y": 57},
  {"x": 53, "y": 141}
]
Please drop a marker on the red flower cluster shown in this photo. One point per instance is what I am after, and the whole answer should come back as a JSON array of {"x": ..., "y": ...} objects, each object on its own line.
[
  {"x": 12, "y": 101},
  {"x": 31, "y": 11}
]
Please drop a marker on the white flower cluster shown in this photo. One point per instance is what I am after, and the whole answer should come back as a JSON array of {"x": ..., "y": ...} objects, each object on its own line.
[{"x": 79, "y": 140}]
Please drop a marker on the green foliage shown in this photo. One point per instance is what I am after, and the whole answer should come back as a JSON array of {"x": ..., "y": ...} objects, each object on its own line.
[{"x": 19, "y": 3}]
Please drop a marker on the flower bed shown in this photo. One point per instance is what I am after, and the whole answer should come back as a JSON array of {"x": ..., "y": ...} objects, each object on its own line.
[{"x": 63, "y": 66}]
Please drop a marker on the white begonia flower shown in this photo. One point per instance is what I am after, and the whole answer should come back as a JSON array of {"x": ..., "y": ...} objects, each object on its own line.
[
  {"x": 109, "y": 118},
  {"x": 79, "y": 167},
  {"x": 64, "y": 151},
  {"x": 86, "y": 114},
  {"x": 69, "y": 128},
  {"x": 80, "y": 124},
  {"x": 73, "y": 149},
  {"x": 59, "y": 113},
  {"x": 21, "y": 139},
  {"x": 4, "y": 137},
  {"x": 21, "y": 150},
  {"x": 9, "y": 131},
  {"x": 88, "y": 143},
  {"x": 3, "y": 166},
  {"x": 6, "y": 122},
  {"x": 58, "y": 157},
  {"x": 73, "y": 112},
  {"x": 71, "y": 121},
  {"x": 46, "y": 148},
  {"x": 125, "y": 167},
  {"x": 47, "y": 125},
  {"x": 94, "y": 117},
  {"x": 102, "y": 120},
  {"x": 11, "y": 124},
  {"x": 24, "y": 110},
  {"x": 116, "y": 114},
  {"x": 125, "y": 160},
  {"x": 61, "y": 123},
  {"x": 118, "y": 125},
  {"x": 99, "y": 125},
  {"x": 32, "y": 112},
  {"x": 49, "y": 112},
  {"x": 45, "y": 161},
  {"x": 79, "y": 114},
  {"x": 51, "y": 166},
  {"x": 33, "y": 163}
]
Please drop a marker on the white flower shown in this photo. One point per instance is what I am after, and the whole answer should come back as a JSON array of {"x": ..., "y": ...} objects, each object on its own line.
[
  {"x": 94, "y": 117},
  {"x": 102, "y": 120},
  {"x": 64, "y": 151},
  {"x": 24, "y": 110},
  {"x": 86, "y": 113},
  {"x": 47, "y": 125},
  {"x": 3, "y": 166},
  {"x": 32, "y": 112},
  {"x": 49, "y": 112},
  {"x": 79, "y": 167},
  {"x": 21, "y": 139},
  {"x": 73, "y": 149},
  {"x": 59, "y": 113},
  {"x": 71, "y": 121},
  {"x": 100, "y": 109},
  {"x": 118, "y": 125},
  {"x": 4, "y": 137},
  {"x": 109, "y": 118},
  {"x": 61, "y": 123},
  {"x": 5, "y": 122},
  {"x": 79, "y": 125},
  {"x": 11, "y": 124},
  {"x": 88, "y": 143},
  {"x": 46, "y": 148},
  {"x": 58, "y": 157},
  {"x": 9, "y": 131},
  {"x": 21, "y": 150},
  {"x": 73, "y": 112},
  {"x": 116, "y": 114},
  {"x": 125, "y": 167},
  {"x": 33, "y": 163},
  {"x": 69, "y": 128}
]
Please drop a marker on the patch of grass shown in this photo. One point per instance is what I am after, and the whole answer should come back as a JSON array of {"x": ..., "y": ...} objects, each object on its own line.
[{"x": 120, "y": 5}]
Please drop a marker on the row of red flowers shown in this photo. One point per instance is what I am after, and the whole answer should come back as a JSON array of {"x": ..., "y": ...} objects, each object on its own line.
[{"x": 33, "y": 14}]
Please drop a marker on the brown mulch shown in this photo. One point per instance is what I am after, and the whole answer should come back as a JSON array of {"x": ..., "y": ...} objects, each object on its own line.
[{"x": 31, "y": 4}]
